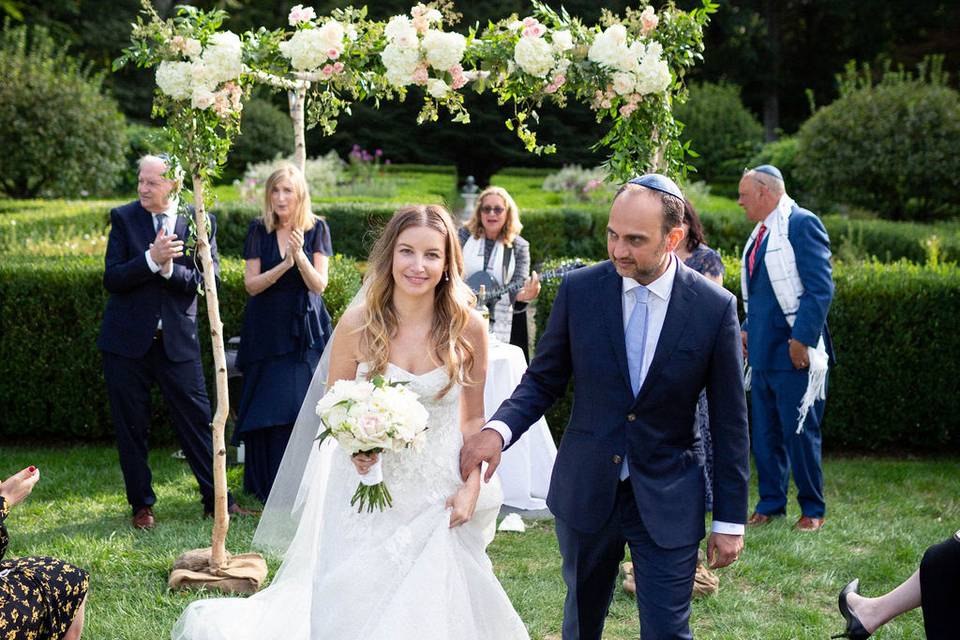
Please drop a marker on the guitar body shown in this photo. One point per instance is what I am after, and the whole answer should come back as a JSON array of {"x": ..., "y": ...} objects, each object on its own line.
[{"x": 482, "y": 279}]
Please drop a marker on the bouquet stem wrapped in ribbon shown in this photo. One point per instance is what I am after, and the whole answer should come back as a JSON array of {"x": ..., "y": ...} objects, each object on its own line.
[{"x": 372, "y": 417}]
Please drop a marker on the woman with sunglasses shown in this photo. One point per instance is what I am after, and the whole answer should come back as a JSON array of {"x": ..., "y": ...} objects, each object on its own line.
[{"x": 492, "y": 244}]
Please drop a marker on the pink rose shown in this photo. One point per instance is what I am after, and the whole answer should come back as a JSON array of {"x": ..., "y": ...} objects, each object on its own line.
[
  {"x": 421, "y": 24},
  {"x": 333, "y": 53},
  {"x": 648, "y": 21},
  {"x": 327, "y": 70},
  {"x": 337, "y": 67},
  {"x": 627, "y": 109},
  {"x": 420, "y": 75},
  {"x": 530, "y": 21},
  {"x": 300, "y": 14}
]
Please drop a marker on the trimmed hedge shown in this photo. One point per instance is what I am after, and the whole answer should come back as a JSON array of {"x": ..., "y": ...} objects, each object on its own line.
[
  {"x": 50, "y": 314},
  {"x": 894, "y": 328},
  {"x": 890, "y": 389},
  {"x": 553, "y": 231}
]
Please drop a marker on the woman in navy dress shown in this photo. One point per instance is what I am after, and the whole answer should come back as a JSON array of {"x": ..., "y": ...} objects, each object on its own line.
[{"x": 285, "y": 326}]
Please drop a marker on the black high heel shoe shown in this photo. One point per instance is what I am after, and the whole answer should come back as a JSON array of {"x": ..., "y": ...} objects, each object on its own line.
[{"x": 855, "y": 629}]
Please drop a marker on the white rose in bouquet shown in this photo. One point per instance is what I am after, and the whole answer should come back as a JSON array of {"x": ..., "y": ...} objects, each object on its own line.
[
  {"x": 387, "y": 418},
  {"x": 444, "y": 50},
  {"x": 534, "y": 56},
  {"x": 175, "y": 79}
]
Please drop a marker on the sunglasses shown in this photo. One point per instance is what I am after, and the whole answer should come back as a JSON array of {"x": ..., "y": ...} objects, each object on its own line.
[{"x": 489, "y": 209}]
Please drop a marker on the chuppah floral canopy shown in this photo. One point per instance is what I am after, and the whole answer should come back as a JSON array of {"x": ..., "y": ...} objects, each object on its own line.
[{"x": 628, "y": 69}]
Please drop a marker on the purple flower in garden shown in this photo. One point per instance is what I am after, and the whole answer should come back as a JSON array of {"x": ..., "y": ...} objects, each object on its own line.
[
  {"x": 378, "y": 152},
  {"x": 387, "y": 161}
]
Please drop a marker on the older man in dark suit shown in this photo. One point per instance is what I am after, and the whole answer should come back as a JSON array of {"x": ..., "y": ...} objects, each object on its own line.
[
  {"x": 641, "y": 335},
  {"x": 149, "y": 336}
]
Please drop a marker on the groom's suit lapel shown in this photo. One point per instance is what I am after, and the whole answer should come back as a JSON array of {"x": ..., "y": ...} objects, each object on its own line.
[
  {"x": 674, "y": 324},
  {"x": 611, "y": 296}
]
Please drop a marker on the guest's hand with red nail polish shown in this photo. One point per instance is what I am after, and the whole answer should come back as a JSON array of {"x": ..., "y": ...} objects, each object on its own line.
[{"x": 18, "y": 486}]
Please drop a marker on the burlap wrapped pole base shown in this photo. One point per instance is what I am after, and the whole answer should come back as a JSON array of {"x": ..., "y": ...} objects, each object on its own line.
[
  {"x": 705, "y": 582},
  {"x": 242, "y": 573}
]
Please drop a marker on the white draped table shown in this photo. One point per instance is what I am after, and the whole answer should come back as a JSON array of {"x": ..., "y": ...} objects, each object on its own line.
[{"x": 526, "y": 466}]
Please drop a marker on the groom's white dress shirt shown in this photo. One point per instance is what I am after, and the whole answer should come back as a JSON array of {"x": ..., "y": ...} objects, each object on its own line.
[{"x": 657, "y": 303}]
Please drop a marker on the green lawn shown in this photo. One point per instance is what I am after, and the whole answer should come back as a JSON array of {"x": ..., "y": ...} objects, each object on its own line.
[{"x": 883, "y": 514}]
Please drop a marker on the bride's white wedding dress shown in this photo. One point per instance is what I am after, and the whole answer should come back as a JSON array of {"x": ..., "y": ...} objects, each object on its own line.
[{"x": 400, "y": 574}]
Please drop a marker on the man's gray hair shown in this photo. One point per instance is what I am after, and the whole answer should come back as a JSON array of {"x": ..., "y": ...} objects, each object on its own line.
[
  {"x": 773, "y": 184},
  {"x": 165, "y": 161}
]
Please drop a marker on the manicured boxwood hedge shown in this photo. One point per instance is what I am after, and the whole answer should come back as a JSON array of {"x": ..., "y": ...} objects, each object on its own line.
[
  {"x": 894, "y": 326},
  {"x": 50, "y": 313},
  {"x": 895, "y": 330},
  {"x": 552, "y": 232}
]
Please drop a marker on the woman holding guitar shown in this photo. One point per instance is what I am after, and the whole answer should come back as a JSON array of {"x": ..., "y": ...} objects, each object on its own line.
[{"x": 495, "y": 255}]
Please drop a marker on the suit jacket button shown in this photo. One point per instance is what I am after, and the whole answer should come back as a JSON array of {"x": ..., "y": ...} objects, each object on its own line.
[
  {"x": 631, "y": 417},
  {"x": 617, "y": 459}
]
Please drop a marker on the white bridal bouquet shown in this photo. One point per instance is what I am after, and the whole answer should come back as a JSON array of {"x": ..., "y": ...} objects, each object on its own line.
[{"x": 372, "y": 417}]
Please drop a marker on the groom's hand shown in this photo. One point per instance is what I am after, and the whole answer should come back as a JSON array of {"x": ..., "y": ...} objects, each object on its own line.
[
  {"x": 723, "y": 549},
  {"x": 485, "y": 446}
]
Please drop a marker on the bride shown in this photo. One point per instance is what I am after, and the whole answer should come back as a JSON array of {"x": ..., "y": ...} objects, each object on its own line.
[{"x": 419, "y": 569}]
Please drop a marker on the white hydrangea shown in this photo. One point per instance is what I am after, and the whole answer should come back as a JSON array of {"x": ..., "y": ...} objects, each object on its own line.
[
  {"x": 534, "y": 55},
  {"x": 331, "y": 35},
  {"x": 607, "y": 48},
  {"x": 305, "y": 49},
  {"x": 562, "y": 41},
  {"x": 653, "y": 76},
  {"x": 437, "y": 88},
  {"x": 400, "y": 30},
  {"x": 400, "y": 62},
  {"x": 223, "y": 55},
  {"x": 175, "y": 79},
  {"x": 203, "y": 76},
  {"x": 444, "y": 50}
]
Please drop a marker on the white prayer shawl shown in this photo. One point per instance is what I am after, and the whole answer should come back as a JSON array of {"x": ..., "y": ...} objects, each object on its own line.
[
  {"x": 781, "y": 264},
  {"x": 473, "y": 262}
]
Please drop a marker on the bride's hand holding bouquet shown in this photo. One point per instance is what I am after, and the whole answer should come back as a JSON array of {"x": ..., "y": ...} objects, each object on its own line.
[{"x": 367, "y": 418}]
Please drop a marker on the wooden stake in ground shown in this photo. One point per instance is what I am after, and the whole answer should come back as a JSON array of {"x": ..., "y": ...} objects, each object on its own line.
[{"x": 214, "y": 568}]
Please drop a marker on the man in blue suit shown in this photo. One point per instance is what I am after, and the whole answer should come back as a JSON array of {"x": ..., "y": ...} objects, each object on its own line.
[
  {"x": 787, "y": 289},
  {"x": 641, "y": 335},
  {"x": 149, "y": 335}
]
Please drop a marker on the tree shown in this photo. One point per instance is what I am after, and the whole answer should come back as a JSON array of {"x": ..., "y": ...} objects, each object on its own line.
[{"x": 61, "y": 135}]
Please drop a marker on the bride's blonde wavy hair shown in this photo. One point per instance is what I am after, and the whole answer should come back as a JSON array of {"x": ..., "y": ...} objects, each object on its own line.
[{"x": 453, "y": 299}]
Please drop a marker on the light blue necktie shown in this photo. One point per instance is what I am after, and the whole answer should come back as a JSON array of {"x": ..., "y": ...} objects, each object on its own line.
[{"x": 636, "y": 335}]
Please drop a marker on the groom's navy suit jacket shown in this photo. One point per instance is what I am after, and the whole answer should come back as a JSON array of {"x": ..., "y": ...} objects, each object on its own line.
[
  {"x": 699, "y": 347},
  {"x": 140, "y": 298}
]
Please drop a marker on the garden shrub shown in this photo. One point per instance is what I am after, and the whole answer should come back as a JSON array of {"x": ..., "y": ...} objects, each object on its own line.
[
  {"x": 889, "y": 147},
  {"x": 61, "y": 135},
  {"x": 720, "y": 129},
  {"x": 265, "y": 133},
  {"x": 50, "y": 314}
]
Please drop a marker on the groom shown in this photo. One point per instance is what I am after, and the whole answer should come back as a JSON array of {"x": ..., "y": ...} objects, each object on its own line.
[{"x": 641, "y": 335}]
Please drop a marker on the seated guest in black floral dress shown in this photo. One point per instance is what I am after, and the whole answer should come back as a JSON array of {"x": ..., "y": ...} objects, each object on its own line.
[{"x": 40, "y": 598}]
